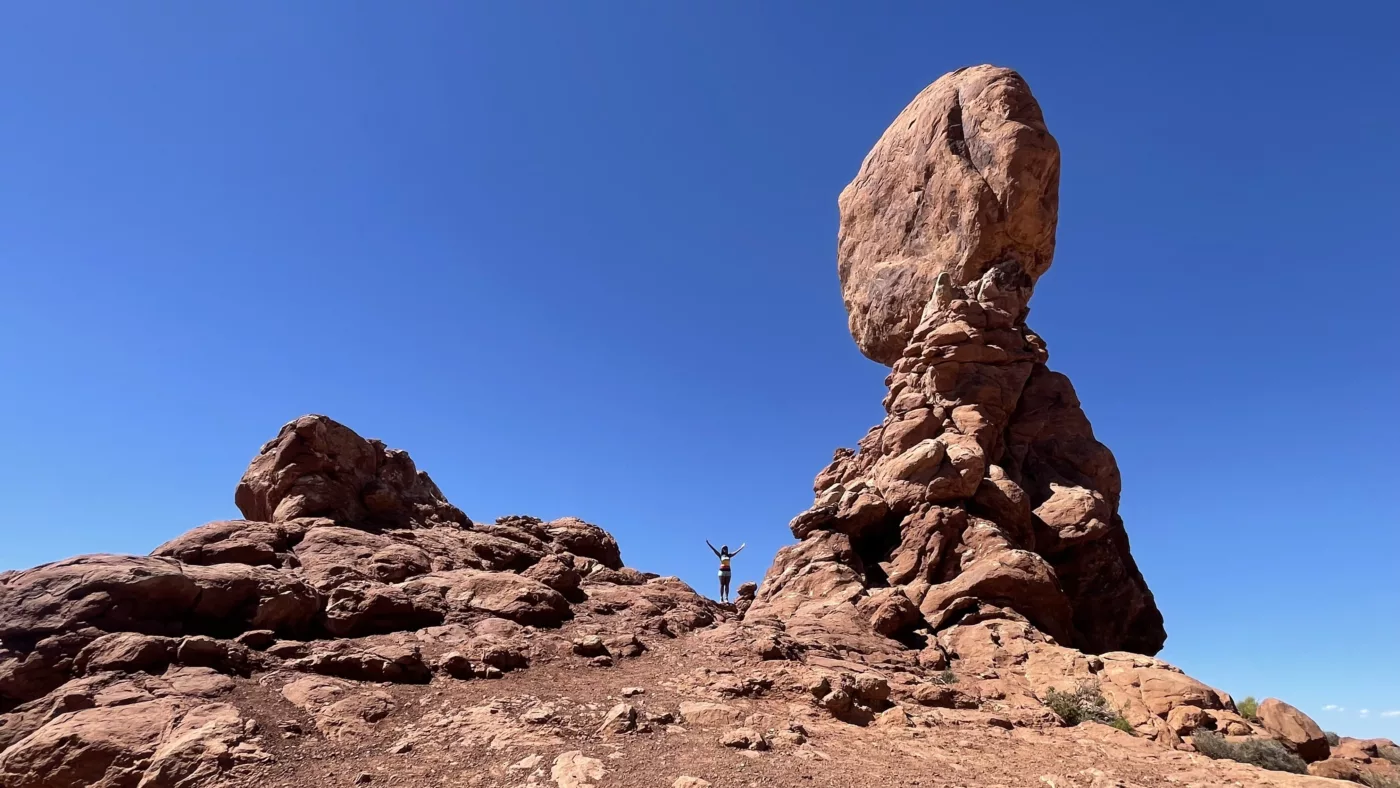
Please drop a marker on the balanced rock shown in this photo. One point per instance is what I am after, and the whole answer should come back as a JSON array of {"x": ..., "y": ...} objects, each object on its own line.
[
  {"x": 966, "y": 177},
  {"x": 983, "y": 492},
  {"x": 316, "y": 467}
]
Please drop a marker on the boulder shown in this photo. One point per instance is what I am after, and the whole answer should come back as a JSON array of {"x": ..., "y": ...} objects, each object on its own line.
[
  {"x": 1336, "y": 769},
  {"x": 359, "y": 607},
  {"x": 198, "y": 682},
  {"x": 626, "y": 576},
  {"x": 339, "y": 708},
  {"x": 744, "y": 596},
  {"x": 332, "y": 555},
  {"x": 590, "y": 646},
  {"x": 503, "y": 654},
  {"x": 743, "y": 739},
  {"x": 965, "y": 177},
  {"x": 573, "y": 535},
  {"x": 1294, "y": 729},
  {"x": 703, "y": 714},
  {"x": 157, "y": 743},
  {"x": 502, "y": 594},
  {"x": 257, "y": 639},
  {"x": 367, "y": 661},
  {"x": 573, "y": 769},
  {"x": 155, "y": 596},
  {"x": 207, "y": 741},
  {"x": 619, "y": 719},
  {"x": 1185, "y": 719},
  {"x": 1229, "y": 723},
  {"x": 355, "y": 715},
  {"x": 456, "y": 665},
  {"x": 126, "y": 651},
  {"x": 317, "y": 467},
  {"x": 106, "y": 747},
  {"x": 557, "y": 572},
  {"x": 223, "y": 655},
  {"x": 944, "y": 696},
  {"x": 25, "y": 677},
  {"x": 235, "y": 542}
]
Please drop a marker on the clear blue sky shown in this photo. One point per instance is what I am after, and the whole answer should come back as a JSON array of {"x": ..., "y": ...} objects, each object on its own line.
[{"x": 578, "y": 258}]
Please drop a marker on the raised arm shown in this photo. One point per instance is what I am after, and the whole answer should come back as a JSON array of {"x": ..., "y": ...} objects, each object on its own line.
[
  {"x": 736, "y": 552},
  {"x": 712, "y": 548}
]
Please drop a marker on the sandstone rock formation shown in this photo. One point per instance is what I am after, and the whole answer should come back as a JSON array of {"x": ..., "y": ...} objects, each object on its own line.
[
  {"x": 965, "y": 178},
  {"x": 1296, "y": 730},
  {"x": 351, "y": 566},
  {"x": 984, "y": 492}
]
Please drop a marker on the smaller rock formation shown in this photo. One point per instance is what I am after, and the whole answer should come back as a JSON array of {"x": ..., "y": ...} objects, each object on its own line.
[
  {"x": 1366, "y": 761},
  {"x": 318, "y": 468},
  {"x": 350, "y": 567},
  {"x": 745, "y": 596},
  {"x": 1294, "y": 729}
]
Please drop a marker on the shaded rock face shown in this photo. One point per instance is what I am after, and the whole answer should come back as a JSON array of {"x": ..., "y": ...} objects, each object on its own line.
[{"x": 983, "y": 492}]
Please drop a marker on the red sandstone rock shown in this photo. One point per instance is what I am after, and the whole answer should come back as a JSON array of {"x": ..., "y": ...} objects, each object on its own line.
[
  {"x": 984, "y": 488},
  {"x": 316, "y": 467},
  {"x": 346, "y": 540},
  {"x": 151, "y": 595},
  {"x": 965, "y": 177},
  {"x": 1295, "y": 729}
]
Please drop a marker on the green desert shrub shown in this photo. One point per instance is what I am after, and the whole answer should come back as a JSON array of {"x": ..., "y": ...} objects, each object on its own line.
[
  {"x": 945, "y": 678},
  {"x": 1263, "y": 753},
  {"x": 1085, "y": 704},
  {"x": 1123, "y": 725},
  {"x": 1249, "y": 708},
  {"x": 1332, "y": 739}
]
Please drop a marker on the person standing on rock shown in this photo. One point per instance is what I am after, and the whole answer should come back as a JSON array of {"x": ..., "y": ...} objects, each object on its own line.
[{"x": 724, "y": 557}]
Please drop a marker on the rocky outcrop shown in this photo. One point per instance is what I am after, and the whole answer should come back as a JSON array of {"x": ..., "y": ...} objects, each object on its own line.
[
  {"x": 1296, "y": 730},
  {"x": 1366, "y": 761},
  {"x": 984, "y": 491},
  {"x": 318, "y": 468},
  {"x": 1013, "y": 663},
  {"x": 350, "y": 567}
]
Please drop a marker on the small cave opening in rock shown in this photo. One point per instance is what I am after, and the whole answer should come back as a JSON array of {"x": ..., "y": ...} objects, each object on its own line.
[
  {"x": 953, "y": 127},
  {"x": 914, "y": 635},
  {"x": 874, "y": 546}
]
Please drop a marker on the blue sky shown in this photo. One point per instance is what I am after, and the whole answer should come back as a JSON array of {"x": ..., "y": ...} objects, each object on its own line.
[{"x": 578, "y": 258}]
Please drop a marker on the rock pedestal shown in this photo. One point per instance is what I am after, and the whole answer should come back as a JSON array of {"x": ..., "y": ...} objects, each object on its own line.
[{"x": 983, "y": 492}]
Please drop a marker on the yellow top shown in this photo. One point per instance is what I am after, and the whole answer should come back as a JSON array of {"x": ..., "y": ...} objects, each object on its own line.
[{"x": 724, "y": 561}]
